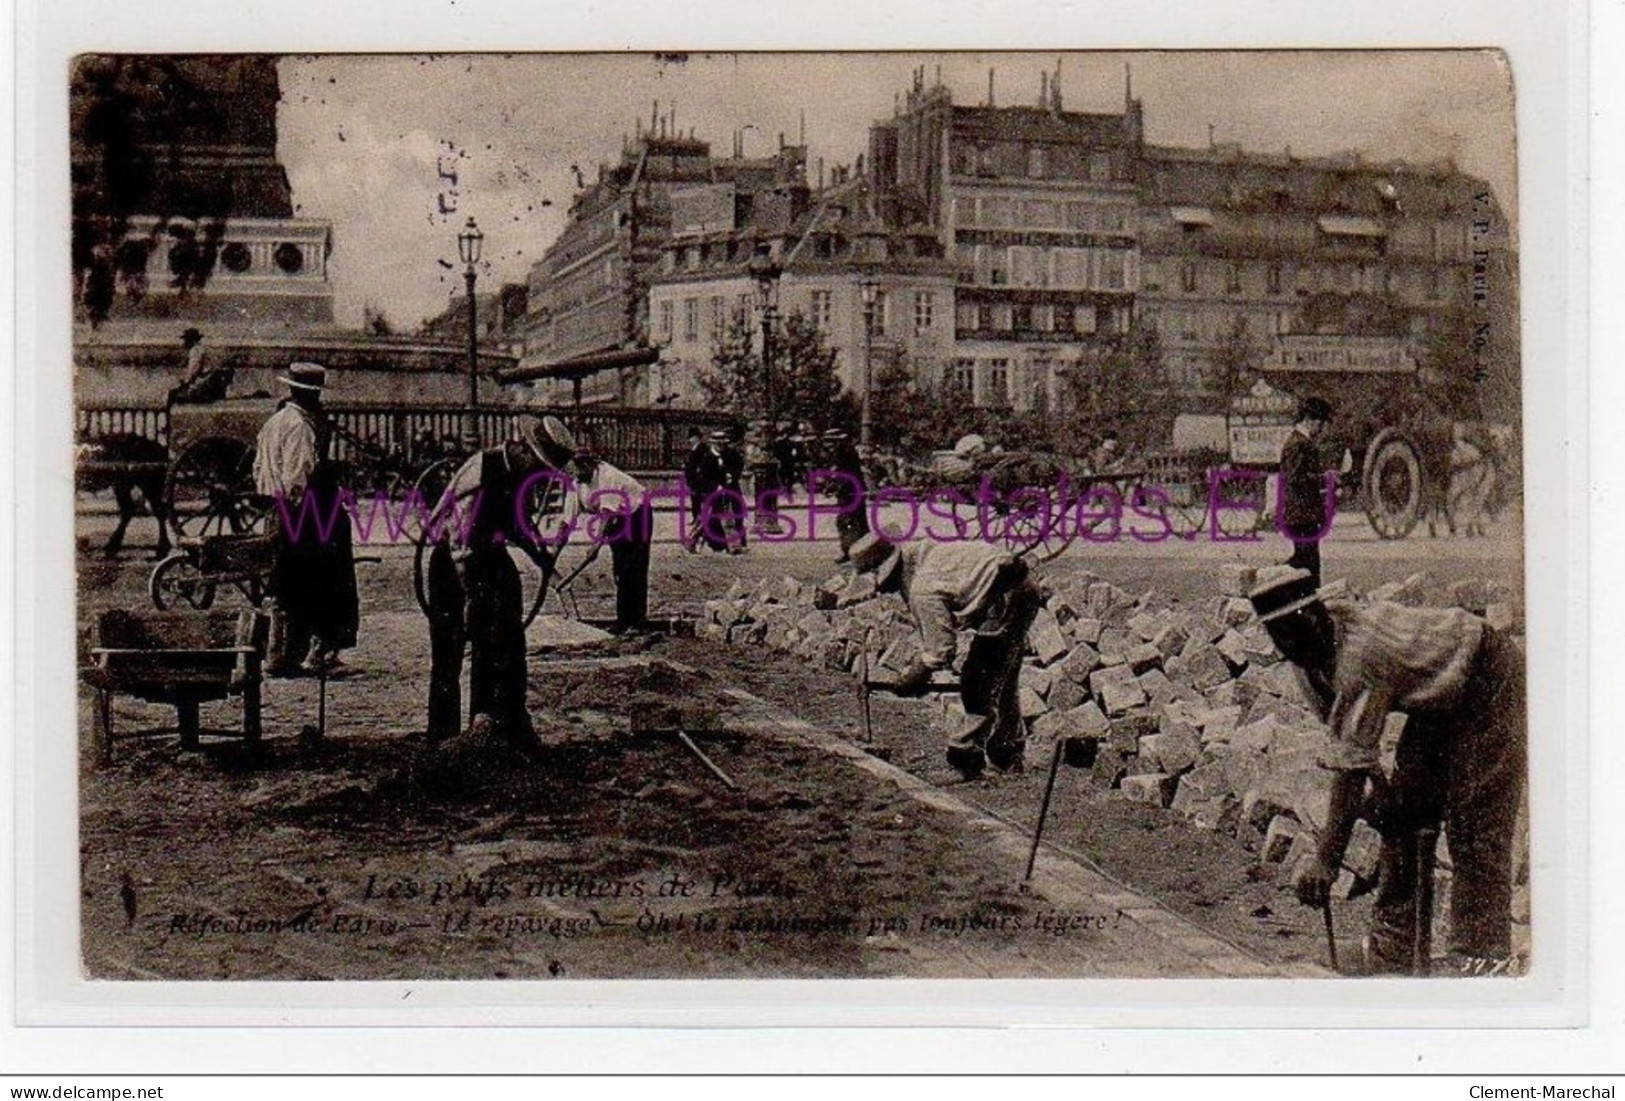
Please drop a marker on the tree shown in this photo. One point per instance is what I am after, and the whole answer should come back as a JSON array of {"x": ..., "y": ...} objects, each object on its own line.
[
  {"x": 1232, "y": 361},
  {"x": 1120, "y": 387},
  {"x": 805, "y": 386}
]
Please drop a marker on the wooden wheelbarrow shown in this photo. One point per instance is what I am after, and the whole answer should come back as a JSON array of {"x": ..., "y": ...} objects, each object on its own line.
[{"x": 183, "y": 659}]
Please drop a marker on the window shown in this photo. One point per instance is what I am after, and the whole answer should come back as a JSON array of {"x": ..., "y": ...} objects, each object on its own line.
[
  {"x": 984, "y": 315},
  {"x": 719, "y": 317},
  {"x": 1080, "y": 217},
  {"x": 1024, "y": 266},
  {"x": 1022, "y": 318},
  {"x": 1187, "y": 276},
  {"x": 1232, "y": 279},
  {"x": 998, "y": 267},
  {"x": 1114, "y": 269},
  {"x": 924, "y": 312},
  {"x": 1037, "y": 387},
  {"x": 1100, "y": 165},
  {"x": 965, "y": 316},
  {"x": 1272, "y": 279},
  {"x": 1114, "y": 219},
  {"x": 1003, "y": 317},
  {"x": 1083, "y": 318},
  {"x": 965, "y": 261},
  {"x": 821, "y": 309},
  {"x": 996, "y": 383},
  {"x": 962, "y": 377},
  {"x": 881, "y": 302},
  {"x": 1041, "y": 214},
  {"x": 1035, "y": 161},
  {"x": 998, "y": 212},
  {"x": 667, "y": 314},
  {"x": 691, "y": 319},
  {"x": 1043, "y": 318},
  {"x": 1064, "y": 319},
  {"x": 1071, "y": 268}
]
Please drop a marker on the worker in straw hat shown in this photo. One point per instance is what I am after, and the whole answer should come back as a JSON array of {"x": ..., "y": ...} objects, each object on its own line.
[
  {"x": 617, "y": 513},
  {"x": 1461, "y": 758},
  {"x": 955, "y": 586},
  {"x": 474, "y": 591},
  {"x": 314, "y": 609}
]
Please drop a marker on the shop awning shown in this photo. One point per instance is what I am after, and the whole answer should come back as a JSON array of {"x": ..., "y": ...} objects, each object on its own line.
[{"x": 1346, "y": 225}]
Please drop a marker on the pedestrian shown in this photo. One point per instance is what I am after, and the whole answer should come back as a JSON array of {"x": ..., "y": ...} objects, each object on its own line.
[
  {"x": 474, "y": 592},
  {"x": 1304, "y": 477},
  {"x": 958, "y": 586},
  {"x": 200, "y": 383},
  {"x": 619, "y": 505},
  {"x": 696, "y": 478},
  {"x": 706, "y": 475},
  {"x": 1472, "y": 480},
  {"x": 1461, "y": 758},
  {"x": 732, "y": 453},
  {"x": 849, "y": 488},
  {"x": 315, "y": 610},
  {"x": 1106, "y": 457}
]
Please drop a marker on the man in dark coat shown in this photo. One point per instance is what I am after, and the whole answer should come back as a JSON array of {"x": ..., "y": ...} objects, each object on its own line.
[
  {"x": 849, "y": 487},
  {"x": 474, "y": 589},
  {"x": 1308, "y": 490}
]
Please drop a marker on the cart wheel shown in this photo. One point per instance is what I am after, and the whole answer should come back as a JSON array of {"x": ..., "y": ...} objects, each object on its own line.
[
  {"x": 534, "y": 580},
  {"x": 209, "y": 489},
  {"x": 1393, "y": 484},
  {"x": 177, "y": 580}
]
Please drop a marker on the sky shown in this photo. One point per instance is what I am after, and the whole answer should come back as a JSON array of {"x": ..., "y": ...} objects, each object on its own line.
[{"x": 372, "y": 142}]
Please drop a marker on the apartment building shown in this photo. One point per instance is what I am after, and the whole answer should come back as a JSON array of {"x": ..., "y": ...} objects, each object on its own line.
[{"x": 1036, "y": 208}]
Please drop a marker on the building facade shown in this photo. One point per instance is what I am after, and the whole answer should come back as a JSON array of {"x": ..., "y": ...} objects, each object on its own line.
[{"x": 1036, "y": 207}]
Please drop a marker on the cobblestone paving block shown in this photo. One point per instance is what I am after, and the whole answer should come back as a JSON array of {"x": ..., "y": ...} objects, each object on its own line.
[
  {"x": 1364, "y": 849},
  {"x": 1279, "y": 838},
  {"x": 1152, "y": 788},
  {"x": 1046, "y": 639}
]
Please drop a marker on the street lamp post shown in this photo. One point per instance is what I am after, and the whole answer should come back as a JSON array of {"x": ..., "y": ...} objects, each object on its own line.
[
  {"x": 468, "y": 248},
  {"x": 766, "y": 271},
  {"x": 866, "y": 426}
]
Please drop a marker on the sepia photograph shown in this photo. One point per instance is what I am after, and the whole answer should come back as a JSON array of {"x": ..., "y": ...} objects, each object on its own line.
[{"x": 819, "y": 515}]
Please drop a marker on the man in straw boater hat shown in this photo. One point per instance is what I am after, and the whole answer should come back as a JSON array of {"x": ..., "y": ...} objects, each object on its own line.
[
  {"x": 618, "y": 514},
  {"x": 1461, "y": 758},
  {"x": 846, "y": 482},
  {"x": 474, "y": 591},
  {"x": 315, "y": 611},
  {"x": 954, "y": 586}
]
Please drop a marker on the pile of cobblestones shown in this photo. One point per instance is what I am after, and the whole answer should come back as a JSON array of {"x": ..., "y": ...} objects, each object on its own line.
[{"x": 1189, "y": 708}]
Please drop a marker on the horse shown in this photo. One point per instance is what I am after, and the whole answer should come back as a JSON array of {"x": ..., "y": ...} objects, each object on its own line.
[{"x": 133, "y": 464}]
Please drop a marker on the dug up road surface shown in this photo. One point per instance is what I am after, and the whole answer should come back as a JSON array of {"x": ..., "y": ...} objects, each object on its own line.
[{"x": 617, "y": 853}]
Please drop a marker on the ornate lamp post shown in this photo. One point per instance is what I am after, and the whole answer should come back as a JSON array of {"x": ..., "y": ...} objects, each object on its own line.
[
  {"x": 766, "y": 271},
  {"x": 469, "y": 242},
  {"x": 866, "y": 426}
]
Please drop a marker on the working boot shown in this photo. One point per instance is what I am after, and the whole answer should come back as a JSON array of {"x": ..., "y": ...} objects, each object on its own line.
[{"x": 968, "y": 760}]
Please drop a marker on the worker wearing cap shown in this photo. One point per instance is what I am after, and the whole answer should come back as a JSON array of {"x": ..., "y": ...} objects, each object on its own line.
[
  {"x": 620, "y": 516},
  {"x": 1461, "y": 757},
  {"x": 1306, "y": 514},
  {"x": 314, "y": 611},
  {"x": 474, "y": 590},
  {"x": 950, "y": 587}
]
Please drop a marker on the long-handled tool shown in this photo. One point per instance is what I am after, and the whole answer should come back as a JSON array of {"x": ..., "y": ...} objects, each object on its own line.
[
  {"x": 1331, "y": 934},
  {"x": 688, "y": 744},
  {"x": 1043, "y": 808},
  {"x": 863, "y": 691},
  {"x": 1426, "y": 841}
]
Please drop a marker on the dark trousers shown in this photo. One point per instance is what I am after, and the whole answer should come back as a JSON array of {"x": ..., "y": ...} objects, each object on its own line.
[
  {"x": 629, "y": 538},
  {"x": 852, "y": 526},
  {"x": 990, "y": 680},
  {"x": 1306, "y": 556},
  {"x": 482, "y": 606},
  {"x": 312, "y": 580},
  {"x": 1466, "y": 770}
]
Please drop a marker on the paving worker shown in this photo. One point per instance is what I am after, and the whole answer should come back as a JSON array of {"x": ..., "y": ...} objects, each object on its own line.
[
  {"x": 1306, "y": 517},
  {"x": 849, "y": 487},
  {"x": 1461, "y": 757},
  {"x": 314, "y": 611},
  {"x": 953, "y": 586},
  {"x": 618, "y": 513},
  {"x": 474, "y": 590}
]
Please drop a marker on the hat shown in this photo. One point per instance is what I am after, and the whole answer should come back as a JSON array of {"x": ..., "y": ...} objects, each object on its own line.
[
  {"x": 1283, "y": 593},
  {"x": 834, "y": 434},
  {"x": 872, "y": 554},
  {"x": 306, "y": 376},
  {"x": 969, "y": 445},
  {"x": 191, "y": 336},
  {"x": 549, "y": 438},
  {"x": 719, "y": 435},
  {"x": 1316, "y": 409}
]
